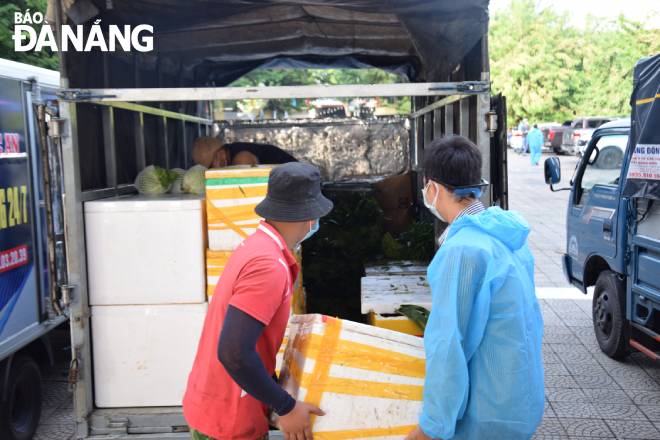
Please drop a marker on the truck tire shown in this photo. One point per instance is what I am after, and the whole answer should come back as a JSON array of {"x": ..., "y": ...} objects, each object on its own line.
[
  {"x": 19, "y": 414},
  {"x": 609, "y": 315}
]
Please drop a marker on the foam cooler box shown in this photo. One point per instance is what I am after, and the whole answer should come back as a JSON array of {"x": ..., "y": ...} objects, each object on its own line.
[
  {"x": 145, "y": 250},
  {"x": 232, "y": 193},
  {"x": 368, "y": 380},
  {"x": 143, "y": 354}
]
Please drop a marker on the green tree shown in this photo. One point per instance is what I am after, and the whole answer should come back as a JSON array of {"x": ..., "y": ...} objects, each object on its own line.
[
  {"x": 550, "y": 70},
  {"x": 290, "y": 77},
  {"x": 533, "y": 61},
  {"x": 46, "y": 58},
  {"x": 609, "y": 54}
]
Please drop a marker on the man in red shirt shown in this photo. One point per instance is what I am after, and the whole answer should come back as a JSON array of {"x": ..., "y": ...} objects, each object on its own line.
[{"x": 231, "y": 385}]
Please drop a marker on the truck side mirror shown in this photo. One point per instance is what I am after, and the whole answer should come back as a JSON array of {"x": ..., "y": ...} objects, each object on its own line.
[{"x": 552, "y": 170}]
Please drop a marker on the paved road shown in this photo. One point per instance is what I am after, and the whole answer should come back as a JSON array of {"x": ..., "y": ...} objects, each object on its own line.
[
  {"x": 546, "y": 213},
  {"x": 589, "y": 396}
]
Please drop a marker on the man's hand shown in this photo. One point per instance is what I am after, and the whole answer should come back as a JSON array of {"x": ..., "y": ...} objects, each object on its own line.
[
  {"x": 418, "y": 434},
  {"x": 296, "y": 424}
]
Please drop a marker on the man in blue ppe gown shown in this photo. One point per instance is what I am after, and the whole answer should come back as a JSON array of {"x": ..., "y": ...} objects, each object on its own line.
[
  {"x": 535, "y": 142},
  {"x": 484, "y": 370}
]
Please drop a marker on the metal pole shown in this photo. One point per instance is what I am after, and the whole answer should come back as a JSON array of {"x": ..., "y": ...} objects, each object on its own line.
[
  {"x": 109, "y": 146},
  {"x": 483, "y": 136},
  {"x": 163, "y": 127},
  {"x": 449, "y": 120},
  {"x": 437, "y": 123},
  {"x": 138, "y": 128},
  {"x": 80, "y": 373},
  {"x": 464, "y": 118},
  {"x": 184, "y": 144}
]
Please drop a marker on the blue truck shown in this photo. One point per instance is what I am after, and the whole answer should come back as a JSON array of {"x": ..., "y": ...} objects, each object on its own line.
[
  {"x": 31, "y": 245},
  {"x": 613, "y": 222}
]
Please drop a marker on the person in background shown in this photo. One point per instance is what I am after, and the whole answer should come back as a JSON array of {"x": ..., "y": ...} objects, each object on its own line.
[
  {"x": 535, "y": 142},
  {"x": 484, "y": 369},
  {"x": 231, "y": 385},
  {"x": 209, "y": 152},
  {"x": 524, "y": 128}
]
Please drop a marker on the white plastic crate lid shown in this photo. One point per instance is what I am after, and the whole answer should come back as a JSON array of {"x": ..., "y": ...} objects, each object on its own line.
[
  {"x": 384, "y": 294},
  {"x": 143, "y": 203},
  {"x": 402, "y": 267}
]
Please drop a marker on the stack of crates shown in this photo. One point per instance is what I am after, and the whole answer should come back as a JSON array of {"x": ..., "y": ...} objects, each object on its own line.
[
  {"x": 145, "y": 259},
  {"x": 385, "y": 287}
]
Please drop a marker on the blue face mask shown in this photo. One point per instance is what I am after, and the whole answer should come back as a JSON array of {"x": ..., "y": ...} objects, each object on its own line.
[{"x": 312, "y": 231}]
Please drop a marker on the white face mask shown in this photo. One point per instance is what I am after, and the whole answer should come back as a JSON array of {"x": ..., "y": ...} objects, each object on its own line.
[{"x": 431, "y": 205}]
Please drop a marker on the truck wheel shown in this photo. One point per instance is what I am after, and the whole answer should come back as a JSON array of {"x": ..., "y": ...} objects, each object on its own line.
[
  {"x": 608, "y": 310},
  {"x": 19, "y": 414}
]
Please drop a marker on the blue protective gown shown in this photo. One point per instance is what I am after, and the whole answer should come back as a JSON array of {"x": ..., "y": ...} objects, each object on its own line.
[
  {"x": 535, "y": 142},
  {"x": 484, "y": 370}
]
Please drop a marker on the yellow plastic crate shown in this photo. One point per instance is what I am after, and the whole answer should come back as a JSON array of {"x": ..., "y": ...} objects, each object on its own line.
[
  {"x": 215, "y": 265},
  {"x": 396, "y": 323},
  {"x": 232, "y": 193}
]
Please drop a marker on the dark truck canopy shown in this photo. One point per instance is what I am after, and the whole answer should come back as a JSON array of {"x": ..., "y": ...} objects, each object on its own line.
[
  {"x": 214, "y": 42},
  {"x": 643, "y": 177}
]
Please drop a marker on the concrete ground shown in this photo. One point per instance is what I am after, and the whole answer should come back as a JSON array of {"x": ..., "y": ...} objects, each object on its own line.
[{"x": 588, "y": 395}]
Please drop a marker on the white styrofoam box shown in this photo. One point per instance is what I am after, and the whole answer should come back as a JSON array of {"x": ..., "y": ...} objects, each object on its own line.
[
  {"x": 143, "y": 354},
  {"x": 368, "y": 380},
  {"x": 146, "y": 250}
]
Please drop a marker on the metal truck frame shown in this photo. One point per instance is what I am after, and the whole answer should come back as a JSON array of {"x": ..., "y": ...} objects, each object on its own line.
[{"x": 452, "y": 113}]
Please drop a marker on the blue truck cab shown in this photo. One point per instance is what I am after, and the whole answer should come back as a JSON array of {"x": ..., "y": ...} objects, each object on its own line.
[
  {"x": 31, "y": 231},
  {"x": 613, "y": 222}
]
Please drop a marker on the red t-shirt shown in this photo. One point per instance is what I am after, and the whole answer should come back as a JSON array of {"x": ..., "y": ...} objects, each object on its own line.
[{"x": 258, "y": 279}]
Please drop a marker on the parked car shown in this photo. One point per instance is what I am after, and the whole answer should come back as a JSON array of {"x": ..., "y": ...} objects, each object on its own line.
[
  {"x": 576, "y": 137},
  {"x": 547, "y": 128},
  {"x": 556, "y": 136}
]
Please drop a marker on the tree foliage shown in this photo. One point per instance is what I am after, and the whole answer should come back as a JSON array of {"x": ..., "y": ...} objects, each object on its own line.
[
  {"x": 7, "y": 9},
  {"x": 289, "y": 77},
  {"x": 550, "y": 70}
]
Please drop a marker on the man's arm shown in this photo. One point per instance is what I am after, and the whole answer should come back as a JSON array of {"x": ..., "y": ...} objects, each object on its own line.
[
  {"x": 258, "y": 294},
  {"x": 237, "y": 353}
]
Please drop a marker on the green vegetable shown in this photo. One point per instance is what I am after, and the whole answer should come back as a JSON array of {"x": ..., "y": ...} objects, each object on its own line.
[
  {"x": 154, "y": 180},
  {"x": 194, "y": 180},
  {"x": 176, "y": 185},
  {"x": 417, "y": 314},
  {"x": 415, "y": 243}
]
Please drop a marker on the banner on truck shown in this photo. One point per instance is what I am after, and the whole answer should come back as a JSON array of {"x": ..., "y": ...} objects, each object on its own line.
[{"x": 16, "y": 246}]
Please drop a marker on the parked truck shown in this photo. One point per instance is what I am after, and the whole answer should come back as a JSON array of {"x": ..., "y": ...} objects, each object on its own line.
[
  {"x": 572, "y": 137},
  {"x": 119, "y": 112},
  {"x": 31, "y": 238},
  {"x": 613, "y": 222}
]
